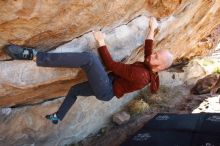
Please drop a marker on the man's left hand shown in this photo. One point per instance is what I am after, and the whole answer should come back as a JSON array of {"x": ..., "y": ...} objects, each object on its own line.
[{"x": 99, "y": 36}]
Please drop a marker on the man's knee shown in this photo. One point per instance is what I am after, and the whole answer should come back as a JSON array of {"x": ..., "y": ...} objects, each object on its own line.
[
  {"x": 73, "y": 91},
  {"x": 105, "y": 98},
  {"x": 91, "y": 57}
]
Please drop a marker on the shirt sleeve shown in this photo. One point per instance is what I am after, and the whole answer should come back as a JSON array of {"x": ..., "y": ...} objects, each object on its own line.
[
  {"x": 126, "y": 71},
  {"x": 148, "y": 47},
  {"x": 155, "y": 83}
]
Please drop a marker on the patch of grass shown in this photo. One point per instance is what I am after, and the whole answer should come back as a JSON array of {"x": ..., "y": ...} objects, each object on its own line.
[
  {"x": 217, "y": 70},
  {"x": 147, "y": 102},
  {"x": 207, "y": 62},
  {"x": 137, "y": 106},
  {"x": 160, "y": 97}
]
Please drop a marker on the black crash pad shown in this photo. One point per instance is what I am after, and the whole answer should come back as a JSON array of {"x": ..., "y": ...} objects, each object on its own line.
[
  {"x": 164, "y": 121},
  {"x": 159, "y": 138},
  {"x": 178, "y": 130}
]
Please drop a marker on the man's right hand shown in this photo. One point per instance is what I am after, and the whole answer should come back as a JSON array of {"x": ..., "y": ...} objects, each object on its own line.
[
  {"x": 152, "y": 26},
  {"x": 99, "y": 36},
  {"x": 153, "y": 23}
]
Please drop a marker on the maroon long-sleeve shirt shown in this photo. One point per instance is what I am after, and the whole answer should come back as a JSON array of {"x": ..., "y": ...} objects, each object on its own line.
[{"x": 131, "y": 77}]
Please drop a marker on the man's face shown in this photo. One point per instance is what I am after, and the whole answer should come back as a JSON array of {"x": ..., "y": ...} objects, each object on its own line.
[{"x": 157, "y": 60}]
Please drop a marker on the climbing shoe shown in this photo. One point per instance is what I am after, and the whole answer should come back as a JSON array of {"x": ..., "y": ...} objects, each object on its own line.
[
  {"x": 19, "y": 53},
  {"x": 53, "y": 118}
]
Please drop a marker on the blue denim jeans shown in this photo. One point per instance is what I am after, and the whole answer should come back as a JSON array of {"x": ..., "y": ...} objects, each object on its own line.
[{"x": 99, "y": 83}]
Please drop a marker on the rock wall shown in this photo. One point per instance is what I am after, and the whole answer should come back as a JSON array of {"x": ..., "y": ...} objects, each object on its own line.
[
  {"x": 45, "y": 24},
  {"x": 26, "y": 126},
  {"x": 187, "y": 27},
  {"x": 191, "y": 29}
]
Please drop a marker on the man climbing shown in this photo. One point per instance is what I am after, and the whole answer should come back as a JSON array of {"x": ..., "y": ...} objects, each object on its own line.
[{"x": 124, "y": 78}]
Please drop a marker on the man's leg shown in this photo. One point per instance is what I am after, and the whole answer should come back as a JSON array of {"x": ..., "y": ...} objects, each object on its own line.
[
  {"x": 82, "y": 89},
  {"x": 98, "y": 83},
  {"x": 70, "y": 59},
  {"x": 97, "y": 77},
  {"x": 89, "y": 62}
]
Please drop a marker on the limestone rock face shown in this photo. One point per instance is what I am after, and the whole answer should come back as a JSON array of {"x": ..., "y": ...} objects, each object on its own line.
[
  {"x": 192, "y": 29},
  {"x": 45, "y": 24},
  {"x": 187, "y": 27},
  {"x": 28, "y": 126}
]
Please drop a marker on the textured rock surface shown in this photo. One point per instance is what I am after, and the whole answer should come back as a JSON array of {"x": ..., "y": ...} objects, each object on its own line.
[
  {"x": 121, "y": 117},
  {"x": 45, "y": 24},
  {"x": 27, "y": 125},
  {"x": 192, "y": 29},
  {"x": 187, "y": 27}
]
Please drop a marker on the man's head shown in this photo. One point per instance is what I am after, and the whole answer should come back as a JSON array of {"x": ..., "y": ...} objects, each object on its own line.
[{"x": 161, "y": 60}]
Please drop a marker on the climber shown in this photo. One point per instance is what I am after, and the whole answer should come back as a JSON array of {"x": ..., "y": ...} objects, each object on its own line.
[{"x": 124, "y": 78}]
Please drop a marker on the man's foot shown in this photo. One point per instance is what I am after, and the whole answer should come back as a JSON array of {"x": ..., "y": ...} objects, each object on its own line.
[
  {"x": 53, "y": 118},
  {"x": 19, "y": 53}
]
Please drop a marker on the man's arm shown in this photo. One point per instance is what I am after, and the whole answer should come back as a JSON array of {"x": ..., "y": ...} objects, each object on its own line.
[
  {"x": 150, "y": 37},
  {"x": 125, "y": 71},
  {"x": 152, "y": 26}
]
